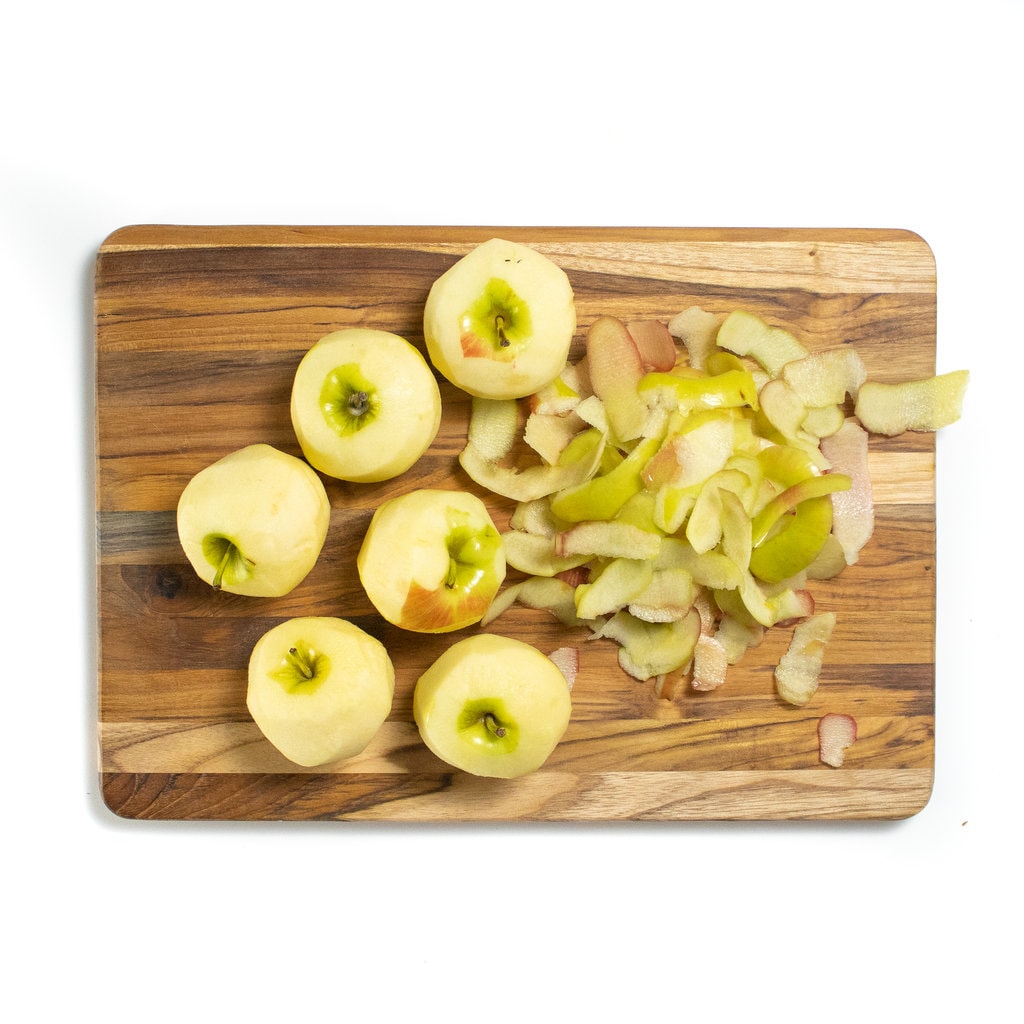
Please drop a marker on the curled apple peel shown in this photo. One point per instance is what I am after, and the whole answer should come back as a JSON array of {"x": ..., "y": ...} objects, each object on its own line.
[
  {"x": 927, "y": 404},
  {"x": 616, "y": 369},
  {"x": 492, "y": 434},
  {"x": 651, "y": 649},
  {"x": 822, "y": 379},
  {"x": 697, "y": 331}
]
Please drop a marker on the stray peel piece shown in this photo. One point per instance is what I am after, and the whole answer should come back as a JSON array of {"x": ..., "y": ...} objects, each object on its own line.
[
  {"x": 568, "y": 661},
  {"x": 926, "y": 404},
  {"x": 835, "y": 733}
]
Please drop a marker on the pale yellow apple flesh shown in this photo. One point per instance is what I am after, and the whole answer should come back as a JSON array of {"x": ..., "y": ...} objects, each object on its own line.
[
  {"x": 364, "y": 405},
  {"x": 254, "y": 522},
  {"x": 492, "y": 706},
  {"x": 431, "y": 560},
  {"x": 319, "y": 688},
  {"x": 499, "y": 322}
]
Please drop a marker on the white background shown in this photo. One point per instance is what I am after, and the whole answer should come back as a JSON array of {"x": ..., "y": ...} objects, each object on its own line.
[{"x": 726, "y": 114}]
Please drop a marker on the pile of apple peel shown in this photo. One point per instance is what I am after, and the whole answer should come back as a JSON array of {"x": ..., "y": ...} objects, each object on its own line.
[{"x": 679, "y": 487}]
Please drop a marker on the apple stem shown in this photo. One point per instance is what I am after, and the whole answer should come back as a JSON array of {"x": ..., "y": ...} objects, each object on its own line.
[
  {"x": 218, "y": 576},
  {"x": 300, "y": 662},
  {"x": 358, "y": 403},
  {"x": 499, "y": 323},
  {"x": 493, "y": 725}
]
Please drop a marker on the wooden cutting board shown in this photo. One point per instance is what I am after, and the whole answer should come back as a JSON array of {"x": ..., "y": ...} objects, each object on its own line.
[{"x": 198, "y": 333}]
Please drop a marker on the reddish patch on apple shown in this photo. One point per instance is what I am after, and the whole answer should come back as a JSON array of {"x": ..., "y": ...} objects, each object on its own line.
[
  {"x": 475, "y": 347},
  {"x": 427, "y": 611}
]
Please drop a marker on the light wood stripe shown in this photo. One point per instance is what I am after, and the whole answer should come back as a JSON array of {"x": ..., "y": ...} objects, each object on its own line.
[{"x": 804, "y": 794}]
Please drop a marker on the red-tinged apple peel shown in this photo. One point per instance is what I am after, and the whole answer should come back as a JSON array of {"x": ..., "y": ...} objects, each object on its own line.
[
  {"x": 616, "y": 368},
  {"x": 710, "y": 663},
  {"x": 836, "y": 733},
  {"x": 568, "y": 661},
  {"x": 655, "y": 344}
]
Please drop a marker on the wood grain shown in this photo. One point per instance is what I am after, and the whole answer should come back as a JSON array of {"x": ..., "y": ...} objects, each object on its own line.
[{"x": 198, "y": 333}]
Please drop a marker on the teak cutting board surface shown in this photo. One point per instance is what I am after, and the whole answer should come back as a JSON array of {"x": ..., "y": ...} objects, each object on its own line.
[{"x": 198, "y": 333}]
